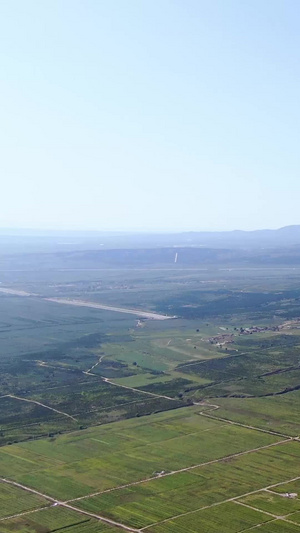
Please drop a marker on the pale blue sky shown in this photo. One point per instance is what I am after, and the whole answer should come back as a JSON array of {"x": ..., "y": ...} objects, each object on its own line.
[{"x": 149, "y": 114}]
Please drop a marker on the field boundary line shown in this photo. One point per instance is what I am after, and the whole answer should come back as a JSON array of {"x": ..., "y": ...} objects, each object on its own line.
[
  {"x": 67, "y": 506},
  {"x": 186, "y": 469},
  {"x": 25, "y": 513},
  {"x": 223, "y": 501},
  {"x": 202, "y": 361},
  {"x": 272, "y": 492},
  {"x": 99, "y": 517},
  {"x": 107, "y": 380},
  {"x": 255, "y": 509},
  {"x": 277, "y": 517},
  {"x": 100, "y": 359},
  {"x": 258, "y": 525},
  {"x": 28, "y": 489},
  {"x": 215, "y": 407},
  {"x": 41, "y": 405}
]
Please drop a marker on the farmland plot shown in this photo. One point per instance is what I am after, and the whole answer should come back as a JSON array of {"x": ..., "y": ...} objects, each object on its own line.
[{"x": 14, "y": 500}]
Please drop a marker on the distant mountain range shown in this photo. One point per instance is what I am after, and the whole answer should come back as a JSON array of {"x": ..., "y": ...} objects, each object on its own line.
[
  {"x": 286, "y": 236},
  {"x": 13, "y": 240}
]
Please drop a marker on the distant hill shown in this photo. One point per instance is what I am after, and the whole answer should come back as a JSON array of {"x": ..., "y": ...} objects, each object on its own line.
[
  {"x": 286, "y": 236},
  {"x": 181, "y": 257},
  {"x": 15, "y": 241}
]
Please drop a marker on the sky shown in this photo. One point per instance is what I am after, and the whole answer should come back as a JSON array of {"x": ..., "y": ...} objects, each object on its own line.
[{"x": 149, "y": 115}]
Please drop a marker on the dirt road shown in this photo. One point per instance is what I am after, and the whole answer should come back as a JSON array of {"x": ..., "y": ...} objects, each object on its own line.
[
  {"x": 41, "y": 405},
  {"x": 234, "y": 499},
  {"x": 180, "y": 470},
  {"x": 66, "y": 505}
]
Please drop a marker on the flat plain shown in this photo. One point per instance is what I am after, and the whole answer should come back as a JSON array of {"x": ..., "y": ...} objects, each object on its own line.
[{"x": 114, "y": 422}]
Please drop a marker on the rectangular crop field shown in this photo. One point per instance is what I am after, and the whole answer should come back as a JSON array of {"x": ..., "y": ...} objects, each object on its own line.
[
  {"x": 169, "y": 472},
  {"x": 55, "y": 519},
  {"x": 112, "y": 455},
  {"x": 14, "y": 500},
  {"x": 161, "y": 499}
]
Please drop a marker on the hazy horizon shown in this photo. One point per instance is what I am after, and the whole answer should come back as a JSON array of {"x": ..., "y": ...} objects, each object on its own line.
[
  {"x": 45, "y": 231},
  {"x": 149, "y": 116}
]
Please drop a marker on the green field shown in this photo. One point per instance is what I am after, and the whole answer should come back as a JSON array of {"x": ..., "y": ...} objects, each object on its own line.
[
  {"x": 14, "y": 500},
  {"x": 187, "y": 425},
  {"x": 80, "y": 463},
  {"x": 277, "y": 413},
  {"x": 55, "y": 519},
  {"x": 204, "y": 486},
  {"x": 228, "y": 518},
  {"x": 175, "y": 466}
]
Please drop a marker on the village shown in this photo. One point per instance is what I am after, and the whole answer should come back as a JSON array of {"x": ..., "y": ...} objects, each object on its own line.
[{"x": 224, "y": 339}]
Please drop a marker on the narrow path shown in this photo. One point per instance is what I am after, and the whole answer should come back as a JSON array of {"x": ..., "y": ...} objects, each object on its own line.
[
  {"x": 25, "y": 513},
  {"x": 273, "y": 492},
  {"x": 216, "y": 504},
  {"x": 96, "y": 364},
  {"x": 277, "y": 517},
  {"x": 232, "y": 422},
  {"x": 67, "y": 506},
  {"x": 98, "y": 517},
  {"x": 67, "y": 503},
  {"x": 255, "y": 509},
  {"x": 107, "y": 380},
  {"x": 186, "y": 469},
  {"x": 28, "y": 489},
  {"x": 258, "y": 525},
  {"x": 41, "y": 405}
]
